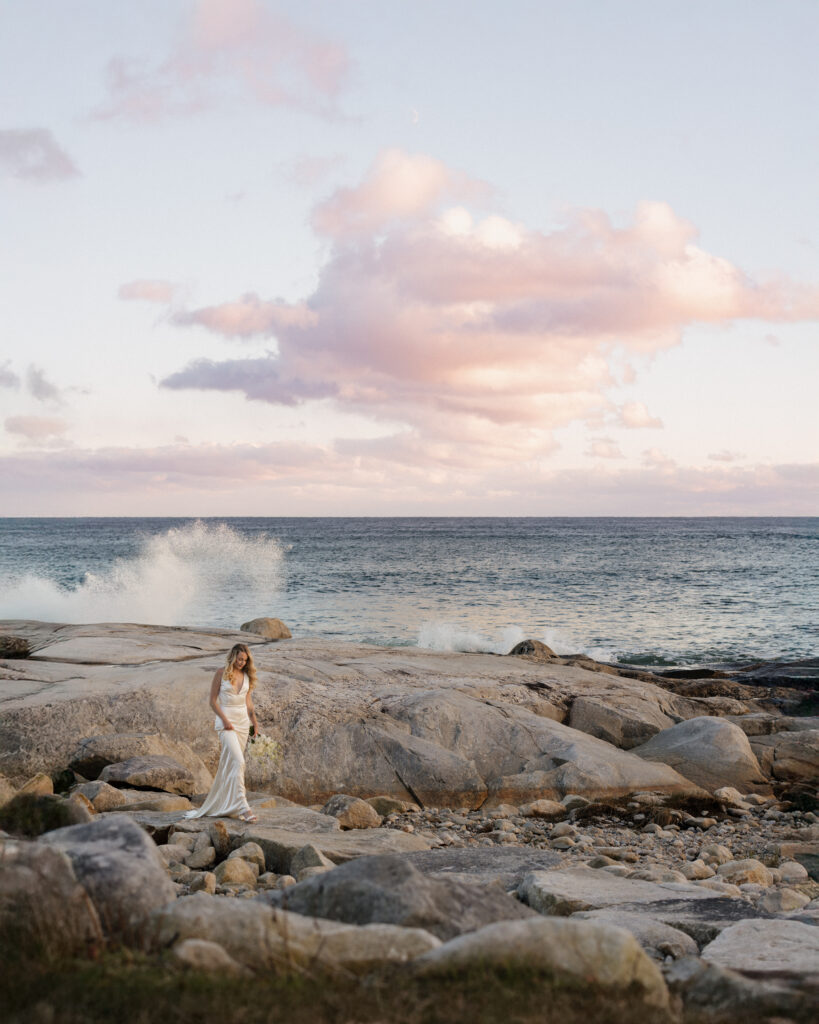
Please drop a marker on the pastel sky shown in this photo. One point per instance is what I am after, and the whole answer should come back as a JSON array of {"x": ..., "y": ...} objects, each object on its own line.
[{"x": 462, "y": 257}]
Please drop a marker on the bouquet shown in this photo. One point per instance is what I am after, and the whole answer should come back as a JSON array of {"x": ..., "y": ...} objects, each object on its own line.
[{"x": 265, "y": 748}]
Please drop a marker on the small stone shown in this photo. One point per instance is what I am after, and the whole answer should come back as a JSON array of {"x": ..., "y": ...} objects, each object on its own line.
[
  {"x": 203, "y": 881},
  {"x": 179, "y": 872},
  {"x": 285, "y": 881},
  {"x": 351, "y": 812},
  {"x": 573, "y": 802},
  {"x": 171, "y": 853},
  {"x": 562, "y": 843},
  {"x": 716, "y": 854},
  {"x": 792, "y": 871},
  {"x": 726, "y": 888},
  {"x": 220, "y": 839},
  {"x": 308, "y": 856},
  {"x": 236, "y": 872},
  {"x": 201, "y": 858},
  {"x": 251, "y": 852},
  {"x": 563, "y": 829},
  {"x": 740, "y": 871},
  {"x": 731, "y": 796},
  {"x": 267, "y": 880},
  {"x": 601, "y": 861},
  {"x": 782, "y": 901},
  {"x": 696, "y": 870},
  {"x": 543, "y": 809}
]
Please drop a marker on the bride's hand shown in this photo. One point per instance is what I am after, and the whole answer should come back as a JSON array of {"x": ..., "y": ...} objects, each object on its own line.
[{"x": 229, "y": 726}]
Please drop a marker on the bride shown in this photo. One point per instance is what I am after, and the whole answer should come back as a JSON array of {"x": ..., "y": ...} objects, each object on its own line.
[{"x": 230, "y": 698}]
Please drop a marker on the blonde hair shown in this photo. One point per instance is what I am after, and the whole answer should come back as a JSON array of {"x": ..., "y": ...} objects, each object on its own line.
[{"x": 250, "y": 667}]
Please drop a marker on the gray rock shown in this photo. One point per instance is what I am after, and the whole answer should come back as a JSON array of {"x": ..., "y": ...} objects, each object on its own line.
[
  {"x": 790, "y": 756},
  {"x": 594, "y": 952},
  {"x": 711, "y": 992},
  {"x": 28, "y": 814},
  {"x": 270, "y": 629},
  {"x": 352, "y": 812},
  {"x": 309, "y": 857},
  {"x": 624, "y": 726},
  {"x": 119, "y": 867},
  {"x": 96, "y": 752},
  {"x": 44, "y": 910},
  {"x": 659, "y": 940},
  {"x": 768, "y": 947},
  {"x": 102, "y": 796},
  {"x": 505, "y": 867},
  {"x": 392, "y": 891},
  {"x": 151, "y": 772},
  {"x": 710, "y": 752}
]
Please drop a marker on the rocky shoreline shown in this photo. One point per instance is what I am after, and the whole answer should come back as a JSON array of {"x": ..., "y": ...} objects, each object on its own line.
[{"x": 657, "y": 837}]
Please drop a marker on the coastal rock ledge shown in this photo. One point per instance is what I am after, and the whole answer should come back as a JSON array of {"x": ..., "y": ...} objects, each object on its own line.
[{"x": 433, "y": 729}]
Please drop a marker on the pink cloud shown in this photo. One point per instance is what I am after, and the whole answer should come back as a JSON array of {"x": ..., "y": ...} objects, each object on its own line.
[
  {"x": 448, "y": 322},
  {"x": 604, "y": 448},
  {"x": 35, "y": 428},
  {"x": 725, "y": 456},
  {"x": 230, "y": 48},
  {"x": 33, "y": 155},
  {"x": 636, "y": 416},
  {"x": 360, "y": 477},
  {"x": 148, "y": 291}
]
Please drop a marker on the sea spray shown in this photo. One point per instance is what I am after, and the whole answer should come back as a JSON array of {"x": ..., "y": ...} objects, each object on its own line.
[{"x": 185, "y": 575}]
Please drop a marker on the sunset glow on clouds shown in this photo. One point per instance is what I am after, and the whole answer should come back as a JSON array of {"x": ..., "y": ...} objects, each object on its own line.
[{"x": 397, "y": 323}]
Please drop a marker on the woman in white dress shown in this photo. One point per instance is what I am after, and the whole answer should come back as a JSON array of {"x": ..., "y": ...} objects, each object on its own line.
[{"x": 231, "y": 700}]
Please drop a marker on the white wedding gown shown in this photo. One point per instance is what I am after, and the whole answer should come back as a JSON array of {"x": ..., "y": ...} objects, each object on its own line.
[{"x": 227, "y": 797}]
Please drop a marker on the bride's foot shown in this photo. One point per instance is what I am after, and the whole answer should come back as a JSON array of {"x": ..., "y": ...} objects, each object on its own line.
[{"x": 249, "y": 817}]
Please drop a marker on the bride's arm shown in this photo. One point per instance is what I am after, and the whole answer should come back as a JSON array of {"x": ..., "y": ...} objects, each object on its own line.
[{"x": 215, "y": 686}]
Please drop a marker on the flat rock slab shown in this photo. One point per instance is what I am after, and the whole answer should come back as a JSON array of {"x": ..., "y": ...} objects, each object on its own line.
[
  {"x": 689, "y": 908},
  {"x": 762, "y": 948},
  {"x": 506, "y": 867}
]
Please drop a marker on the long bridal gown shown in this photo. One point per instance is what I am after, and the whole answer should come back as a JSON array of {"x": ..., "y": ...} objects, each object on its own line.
[{"x": 227, "y": 796}]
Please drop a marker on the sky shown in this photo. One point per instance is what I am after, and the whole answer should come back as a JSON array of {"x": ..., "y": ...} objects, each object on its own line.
[{"x": 552, "y": 257}]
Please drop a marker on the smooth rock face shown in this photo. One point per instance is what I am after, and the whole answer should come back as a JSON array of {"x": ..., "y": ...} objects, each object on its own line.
[
  {"x": 119, "y": 867},
  {"x": 625, "y": 727},
  {"x": 600, "y": 954},
  {"x": 96, "y": 752},
  {"x": 44, "y": 910},
  {"x": 710, "y": 752},
  {"x": 270, "y": 629},
  {"x": 151, "y": 772},
  {"x": 792, "y": 756},
  {"x": 439, "y": 729},
  {"x": 391, "y": 891},
  {"x": 261, "y": 937},
  {"x": 763, "y": 947},
  {"x": 657, "y": 939}
]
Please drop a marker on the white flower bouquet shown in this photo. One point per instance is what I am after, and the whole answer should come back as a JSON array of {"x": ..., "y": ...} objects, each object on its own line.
[{"x": 265, "y": 748}]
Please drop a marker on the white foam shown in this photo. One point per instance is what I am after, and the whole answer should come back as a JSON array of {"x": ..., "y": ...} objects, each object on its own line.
[
  {"x": 450, "y": 636},
  {"x": 182, "y": 576}
]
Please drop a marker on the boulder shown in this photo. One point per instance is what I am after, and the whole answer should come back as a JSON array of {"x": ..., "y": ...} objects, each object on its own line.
[
  {"x": 543, "y": 809},
  {"x": 384, "y": 805},
  {"x": 710, "y": 752},
  {"x": 119, "y": 867},
  {"x": 783, "y": 901},
  {"x": 250, "y": 852},
  {"x": 102, "y": 796},
  {"x": 768, "y": 947},
  {"x": 533, "y": 649},
  {"x": 264, "y": 938},
  {"x": 657, "y": 939},
  {"x": 309, "y": 857},
  {"x": 44, "y": 911},
  {"x": 30, "y": 815},
  {"x": 789, "y": 756},
  {"x": 624, "y": 726},
  {"x": 270, "y": 629},
  {"x": 741, "y": 872},
  {"x": 235, "y": 872},
  {"x": 151, "y": 772},
  {"x": 390, "y": 890},
  {"x": 96, "y": 752},
  {"x": 592, "y": 952},
  {"x": 351, "y": 812}
]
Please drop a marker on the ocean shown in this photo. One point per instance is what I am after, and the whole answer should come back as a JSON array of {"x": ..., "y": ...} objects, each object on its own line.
[{"x": 651, "y": 592}]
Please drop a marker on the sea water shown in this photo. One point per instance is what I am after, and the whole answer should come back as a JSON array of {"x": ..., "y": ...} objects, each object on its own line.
[{"x": 654, "y": 592}]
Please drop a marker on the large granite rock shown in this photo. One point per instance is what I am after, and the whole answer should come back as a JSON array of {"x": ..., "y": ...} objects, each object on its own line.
[
  {"x": 270, "y": 629},
  {"x": 710, "y": 752},
  {"x": 625, "y": 726},
  {"x": 263, "y": 938},
  {"x": 598, "y": 954},
  {"x": 96, "y": 754},
  {"x": 151, "y": 772},
  {"x": 417, "y": 726},
  {"x": 390, "y": 890},
  {"x": 44, "y": 910},
  {"x": 119, "y": 867},
  {"x": 790, "y": 756}
]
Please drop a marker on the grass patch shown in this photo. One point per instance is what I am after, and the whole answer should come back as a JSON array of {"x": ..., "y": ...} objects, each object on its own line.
[{"x": 133, "y": 989}]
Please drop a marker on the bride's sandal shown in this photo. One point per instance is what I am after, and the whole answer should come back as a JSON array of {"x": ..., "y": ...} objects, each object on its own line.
[{"x": 249, "y": 817}]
